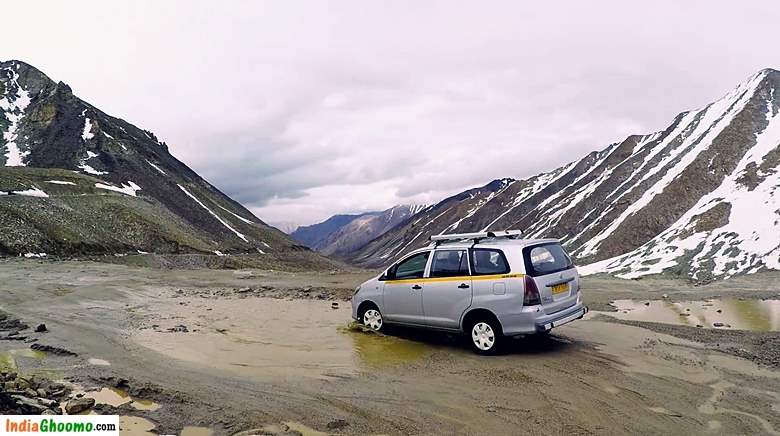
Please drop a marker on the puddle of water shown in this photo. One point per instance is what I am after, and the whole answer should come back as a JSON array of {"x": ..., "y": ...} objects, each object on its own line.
[
  {"x": 117, "y": 397},
  {"x": 111, "y": 396},
  {"x": 195, "y": 431},
  {"x": 8, "y": 358},
  {"x": 98, "y": 362},
  {"x": 756, "y": 315},
  {"x": 147, "y": 405},
  {"x": 272, "y": 339},
  {"x": 374, "y": 350},
  {"x": 135, "y": 426},
  {"x": 285, "y": 428}
]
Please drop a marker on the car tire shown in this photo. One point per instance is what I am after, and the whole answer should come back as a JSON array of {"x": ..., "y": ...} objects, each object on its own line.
[
  {"x": 485, "y": 336},
  {"x": 371, "y": 317}
]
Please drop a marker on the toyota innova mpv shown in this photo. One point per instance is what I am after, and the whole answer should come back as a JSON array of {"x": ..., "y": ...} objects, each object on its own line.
[{"x": 488, "y": 286}]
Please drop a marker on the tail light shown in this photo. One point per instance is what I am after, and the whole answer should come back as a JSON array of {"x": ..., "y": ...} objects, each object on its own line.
[{"x": 531, "y": 297}]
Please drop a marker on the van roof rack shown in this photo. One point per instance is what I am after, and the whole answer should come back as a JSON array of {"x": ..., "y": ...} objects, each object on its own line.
[{"x": 512, "y": 234}]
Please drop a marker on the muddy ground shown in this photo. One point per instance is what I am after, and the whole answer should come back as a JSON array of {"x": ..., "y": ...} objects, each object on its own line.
[{"x": 239, "y": 350}]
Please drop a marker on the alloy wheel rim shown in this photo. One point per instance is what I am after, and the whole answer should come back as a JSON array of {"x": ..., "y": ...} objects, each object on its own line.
[
  {"x": 483, "y": 336},
  {"x": 372, "y": 319}
]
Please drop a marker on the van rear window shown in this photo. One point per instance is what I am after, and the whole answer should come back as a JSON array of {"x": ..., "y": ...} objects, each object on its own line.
[{"x": 546, "y": 259}]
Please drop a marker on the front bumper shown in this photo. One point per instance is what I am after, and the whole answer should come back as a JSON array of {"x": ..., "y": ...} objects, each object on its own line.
[{"x": 548, "y": 322}]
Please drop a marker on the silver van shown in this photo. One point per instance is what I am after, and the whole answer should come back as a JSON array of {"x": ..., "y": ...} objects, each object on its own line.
[{"x": 486, "y": 285}]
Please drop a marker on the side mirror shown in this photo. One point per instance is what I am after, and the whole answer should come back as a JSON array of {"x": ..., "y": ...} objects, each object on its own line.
[{"x": 387, "y": 274}]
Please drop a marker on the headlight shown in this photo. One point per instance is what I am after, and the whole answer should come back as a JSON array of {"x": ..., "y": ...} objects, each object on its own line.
[{"x": 356, "y": 290}]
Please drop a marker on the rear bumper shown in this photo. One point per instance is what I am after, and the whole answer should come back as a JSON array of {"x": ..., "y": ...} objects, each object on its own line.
[{"x": 548, "y": 322}]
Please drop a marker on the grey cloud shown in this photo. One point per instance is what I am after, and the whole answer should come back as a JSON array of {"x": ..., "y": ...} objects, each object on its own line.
[{"x": 305, "y": 109}]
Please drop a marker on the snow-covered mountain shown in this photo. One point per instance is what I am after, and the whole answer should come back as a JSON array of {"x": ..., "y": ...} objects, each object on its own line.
[
  {"x": 700, "y": 198},
  {"x": 340, "y": 235},
  {"x": 75, "y": 181}
]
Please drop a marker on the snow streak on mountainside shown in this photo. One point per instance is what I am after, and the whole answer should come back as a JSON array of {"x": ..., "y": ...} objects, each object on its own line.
[{"x": 699, "y": 198}]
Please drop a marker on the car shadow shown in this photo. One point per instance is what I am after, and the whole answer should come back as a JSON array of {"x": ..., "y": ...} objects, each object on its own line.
[{"x": 517, "y": 345}]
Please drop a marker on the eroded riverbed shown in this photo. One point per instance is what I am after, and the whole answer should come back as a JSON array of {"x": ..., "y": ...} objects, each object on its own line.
[{"x": 226, "y": 352}]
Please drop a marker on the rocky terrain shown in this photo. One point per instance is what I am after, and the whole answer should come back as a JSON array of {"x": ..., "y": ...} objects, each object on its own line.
[
  {"x": 699, "y": 199},
  {"x": 255, "y": 351},
  {"x": 75, "y": 181},
  {"x": 341, "y": 235}
]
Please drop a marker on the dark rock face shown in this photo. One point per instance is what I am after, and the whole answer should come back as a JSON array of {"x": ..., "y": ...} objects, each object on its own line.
[
  {"x": 700, "y": 199},
  {"x": 341, "y": 235},
  {"x": 89, "y": 183}
]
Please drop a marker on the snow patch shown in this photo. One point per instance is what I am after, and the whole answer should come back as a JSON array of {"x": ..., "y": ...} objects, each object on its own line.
[
  {"x": 14, "y": 112},
  {"x": 87, "y": 133},
  {"x": 32, "y": 192},
  {"x": 237, "y": 216},
  {"x": 130, "y": 189},
  {"x": 156, "y": 167},
  {"x": 89, "y": 170},
  {"x": 60, "y": 182}
]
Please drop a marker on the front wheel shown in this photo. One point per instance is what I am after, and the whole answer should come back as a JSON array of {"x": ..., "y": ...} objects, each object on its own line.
[
  {"x": 372, "y": 318},
  {"x": 485, "y": 337}
]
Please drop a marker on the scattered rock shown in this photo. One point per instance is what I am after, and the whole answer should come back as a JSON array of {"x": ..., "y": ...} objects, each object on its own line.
[
  {"x": 40, "y": 328},
  {"x": 719, "y": 311},
  {"x": 334, "y": 305},
  {"x": 53, "y": 350},
  {"x": 718, "y": 324},
  {"x": 337, "y": 424},
  {"x": 665, "y": 296},
  {"x": 647, "y": 303},
  {"x": 78, "y": 405},
  {"x": 181, "y": 328}
]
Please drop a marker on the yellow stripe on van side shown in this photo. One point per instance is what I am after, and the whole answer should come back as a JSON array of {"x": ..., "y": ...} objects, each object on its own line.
[{"x": 458, "y": 278}]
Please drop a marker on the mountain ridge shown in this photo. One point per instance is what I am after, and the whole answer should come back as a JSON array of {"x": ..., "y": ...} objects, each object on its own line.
[
  {"x": 610, "y": 203},
  {"x": 340, "y": 234},
  {"x": 130, "y": 193}
]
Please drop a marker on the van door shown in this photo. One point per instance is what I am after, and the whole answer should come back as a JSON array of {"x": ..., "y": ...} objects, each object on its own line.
[
  {"x": 554, "y": 274},
  {"x": 447, "y": 292},
  {"x": 402, "y": 295}
]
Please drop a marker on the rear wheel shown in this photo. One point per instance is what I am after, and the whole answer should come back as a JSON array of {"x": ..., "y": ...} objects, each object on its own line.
[
  {"x": 372, "y": 318},
  {"x": 485, "y": 336}
]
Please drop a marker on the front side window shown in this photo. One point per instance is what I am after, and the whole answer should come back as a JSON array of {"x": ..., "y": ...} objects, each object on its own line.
[
  {"x": 412, "y": 268},
  {"x": 488, "y": 261},
  {"x": 546, "y": 259},
  {"x": 450, "y": 263}
]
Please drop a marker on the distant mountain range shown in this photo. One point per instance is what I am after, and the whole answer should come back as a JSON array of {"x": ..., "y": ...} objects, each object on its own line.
[
  {"x": 76, "y": 181},
  {"x": 699, "y": 199},
  {"x": 341, "y": 235}
]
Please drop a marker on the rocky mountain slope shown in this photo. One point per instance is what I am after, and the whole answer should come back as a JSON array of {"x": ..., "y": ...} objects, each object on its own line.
[
  {"x": 76, "y": 181},
  {"x": 699, "y": 199},
  {"x": 340, "y": 235}
]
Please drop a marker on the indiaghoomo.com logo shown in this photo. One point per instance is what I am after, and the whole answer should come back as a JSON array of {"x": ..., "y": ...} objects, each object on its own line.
[{"x": 102, "y": 425}]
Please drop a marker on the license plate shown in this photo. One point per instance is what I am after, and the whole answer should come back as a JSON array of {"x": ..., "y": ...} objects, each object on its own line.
[{"x": 559, "y": 289}]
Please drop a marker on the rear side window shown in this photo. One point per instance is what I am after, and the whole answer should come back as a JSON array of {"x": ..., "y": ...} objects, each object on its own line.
[
  {"x": 450, "y": 263},
  {"x": 488, "y": 261},
  {"x": 412, "y": 268},
  {"x": 546, "y": 259}
]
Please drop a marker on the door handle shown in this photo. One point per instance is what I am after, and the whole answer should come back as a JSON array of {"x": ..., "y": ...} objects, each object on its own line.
[
  {"x": 463, "y": 286},
  {"x": 416, "y": 287}
]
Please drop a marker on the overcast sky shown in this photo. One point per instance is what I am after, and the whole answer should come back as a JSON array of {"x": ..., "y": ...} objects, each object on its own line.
[{"x": 300, "y": 110}]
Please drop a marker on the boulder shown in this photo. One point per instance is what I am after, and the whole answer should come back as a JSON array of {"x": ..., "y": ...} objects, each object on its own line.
[{"x": 78, "y": 405}]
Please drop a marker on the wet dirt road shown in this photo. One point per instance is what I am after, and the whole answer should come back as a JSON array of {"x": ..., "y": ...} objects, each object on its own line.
[{"x": 233, "y": 351}]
